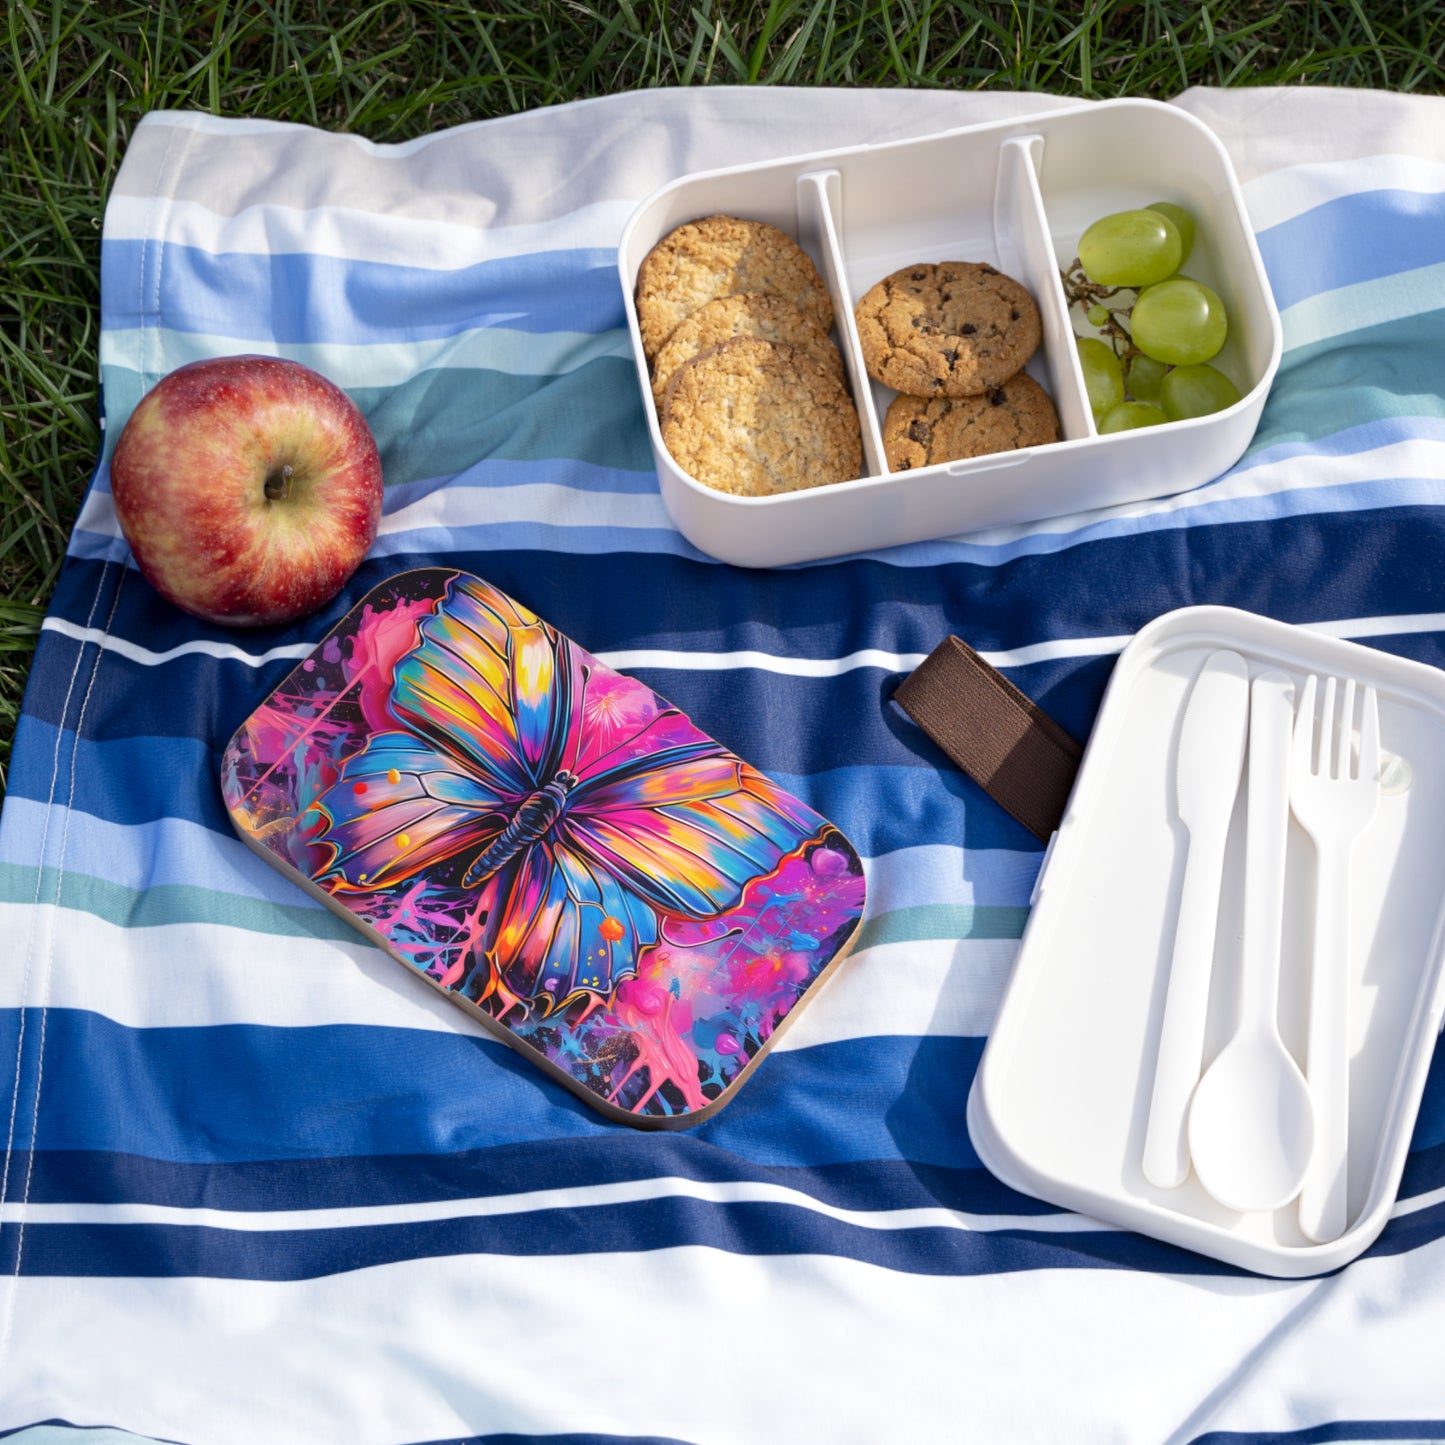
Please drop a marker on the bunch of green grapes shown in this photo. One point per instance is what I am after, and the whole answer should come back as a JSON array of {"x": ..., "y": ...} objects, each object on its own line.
[{"x": 1154, "y": 366}]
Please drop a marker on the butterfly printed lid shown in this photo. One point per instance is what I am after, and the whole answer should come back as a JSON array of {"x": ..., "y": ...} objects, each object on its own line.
[{"x": 551, "y": 844}]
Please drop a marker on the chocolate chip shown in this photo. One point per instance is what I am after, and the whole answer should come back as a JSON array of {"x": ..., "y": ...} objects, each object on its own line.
[
  {"x": 988, "y": 270},
  {"x": 917, "y": 275},
  {"x": 1013, "y": 316},
  {"x": 967, "y": 329},
  {"x": 949, "y": 357},
  {"x": 920, "y": 432},
  {"x": 916, "y": 320},
  {"x": 996, "y": 397}
]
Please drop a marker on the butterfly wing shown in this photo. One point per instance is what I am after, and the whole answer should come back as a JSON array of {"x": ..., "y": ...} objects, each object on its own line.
[
  {"x": 558, "y": 926},
  {"x": 401, "y": 805},
  {"x": 493, "y": 684},
  {"x": 685, "y": 827},
  {"x": 487, "y": 692}
]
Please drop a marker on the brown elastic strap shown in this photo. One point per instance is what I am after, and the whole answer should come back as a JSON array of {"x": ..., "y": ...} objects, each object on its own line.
[{"x": 1009, "y": 746}]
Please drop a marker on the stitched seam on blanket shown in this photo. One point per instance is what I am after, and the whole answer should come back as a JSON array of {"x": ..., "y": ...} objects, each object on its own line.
[
  {"x": 30, "y": 951},
  {"x": 165, "y": 192}
]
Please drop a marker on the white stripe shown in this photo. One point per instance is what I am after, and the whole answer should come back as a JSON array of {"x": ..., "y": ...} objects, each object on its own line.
[
  {"x": 546, "y": 502},
  {"x": 1293, "y": 190},
  {"x": 1418, "y": 1202},
  {"x": 193, "y": 975},
  {"x": 351, "y": 234},
  {"x": 631, "y": 1343},
  {"x": 594, "y": 1196},
  {"x": 355, "y": 366},
  {"x": 1362, "y": 305},
  {"x": 202, "y": 647},
  {"x": 665, "y": 659},
  {"x": 588, "y": 1196}
]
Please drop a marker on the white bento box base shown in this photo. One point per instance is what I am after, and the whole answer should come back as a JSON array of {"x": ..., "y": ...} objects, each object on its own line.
[
  {"x": 1016, "y": 195},
  {"x": 1060, "y": 1104}
]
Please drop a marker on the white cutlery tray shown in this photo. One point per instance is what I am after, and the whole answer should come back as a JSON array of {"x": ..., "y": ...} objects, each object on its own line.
[
  {"x": 1017, "y": 195},
  {"x": 1060, "y": 1104}
]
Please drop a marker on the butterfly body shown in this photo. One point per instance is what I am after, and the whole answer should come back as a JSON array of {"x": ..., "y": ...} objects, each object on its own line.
[{"x": 535, "y": 815}]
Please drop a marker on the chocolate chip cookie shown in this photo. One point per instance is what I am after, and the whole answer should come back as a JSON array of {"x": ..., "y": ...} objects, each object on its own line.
[
  {"x": 749, "y": 313},
  {"x": 918, "y": 432},
  {"x": 752, "y": 418},
  {"x": 956, "y": 328},
  {"x": 717, "y": 256}
]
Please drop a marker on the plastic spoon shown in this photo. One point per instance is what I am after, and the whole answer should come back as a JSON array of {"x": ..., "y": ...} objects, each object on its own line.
[
  {"x": 1211, "y": 755},
  {"x": 1251, "y": 1122}
]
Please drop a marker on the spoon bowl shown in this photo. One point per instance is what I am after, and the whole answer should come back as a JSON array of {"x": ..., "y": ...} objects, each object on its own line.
[{"x": 1251, "y": 1124}]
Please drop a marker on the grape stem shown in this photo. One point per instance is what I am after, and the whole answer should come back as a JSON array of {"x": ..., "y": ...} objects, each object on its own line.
[{"x": 1085, "y": 294}]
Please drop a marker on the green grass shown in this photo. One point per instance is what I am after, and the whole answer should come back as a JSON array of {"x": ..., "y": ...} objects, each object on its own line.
[{"x": 75, "y": 78}]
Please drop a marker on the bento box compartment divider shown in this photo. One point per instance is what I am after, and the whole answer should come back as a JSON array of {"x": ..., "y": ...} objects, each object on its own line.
[
  {"x": 820, "y": 224},
  {"x": 1026, "y": 250}
]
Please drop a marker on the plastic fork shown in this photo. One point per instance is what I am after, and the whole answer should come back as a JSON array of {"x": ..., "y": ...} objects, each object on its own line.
[{"x": 1334, "y": 795}]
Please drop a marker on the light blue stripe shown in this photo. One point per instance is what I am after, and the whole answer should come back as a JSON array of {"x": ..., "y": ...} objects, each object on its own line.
[
  {"x": 174, "y": 853},
  {"x": 1359, "y": 237},
  {"x": 307, "y": 299}
]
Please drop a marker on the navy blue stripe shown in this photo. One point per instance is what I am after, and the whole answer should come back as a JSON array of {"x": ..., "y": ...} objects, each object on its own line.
[
  {"x": 1338, "y": 565},
  {"x": 570, "y": 1438},
  {"x": 236, "y": 1092},
  {"x": 1418, "y": 1432},
  {"x": 72, "y": 1177},
  {"x": 507, "y": 1438},
  {"x": 753, "y": 1229},
  {"x": 299, "y": 297},
  {"x": 1353, "y": 238}
]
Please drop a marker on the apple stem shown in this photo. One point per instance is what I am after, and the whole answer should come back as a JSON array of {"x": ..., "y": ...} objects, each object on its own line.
[{"x": 278, "y": 484}]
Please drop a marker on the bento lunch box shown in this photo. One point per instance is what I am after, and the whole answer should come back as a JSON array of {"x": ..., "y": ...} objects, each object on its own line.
[{"x": 1016, "y": 195}]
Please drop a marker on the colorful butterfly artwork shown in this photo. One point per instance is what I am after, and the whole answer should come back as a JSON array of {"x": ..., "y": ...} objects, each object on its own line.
[
  {"x": 583, "y": 811},
  {"x": 547, "y": 840}
]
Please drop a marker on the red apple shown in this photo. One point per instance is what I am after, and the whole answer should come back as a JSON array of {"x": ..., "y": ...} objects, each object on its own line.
[{"x": 249, "y": 489}]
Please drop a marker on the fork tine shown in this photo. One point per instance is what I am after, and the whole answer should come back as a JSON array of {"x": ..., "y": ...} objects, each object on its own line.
[
  {"x": 1304, "y": 728},
  {"x": 1327, "y": 728},
  {"x": 1370, "y": 738},
  {"x": 1344, "y": 745}
]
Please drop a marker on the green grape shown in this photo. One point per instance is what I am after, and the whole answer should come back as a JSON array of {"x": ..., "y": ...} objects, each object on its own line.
[
  {"x": 1179, "y": 322},
  {"x": 1130, "y": 248},
  {"x": 1183, "y": 223},
  {"x": 1144, "y": 377},
  {"x": 1129, "y": 415},
  {"x": 1103, "y": 376},
  {"x": 1196, "y": 391},
  {"x": 1098, "y": 315}
]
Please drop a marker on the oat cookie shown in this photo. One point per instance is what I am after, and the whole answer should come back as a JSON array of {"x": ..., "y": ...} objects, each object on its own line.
[
  {"x": 748, "y": 313},
  {"x": 918, "y": 432},
  {"x": 717, "y": 256},
  {"x": 752, "y": 418},
  {"x": 952, "y": 329}
]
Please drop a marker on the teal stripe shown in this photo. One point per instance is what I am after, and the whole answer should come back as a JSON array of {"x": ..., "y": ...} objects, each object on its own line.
[
  {"x": 439, "y": 423},
  {"x": 942, "y": 920},
  {"x": 1378, "y": 373},
  {"x": 167, "y": 903}
]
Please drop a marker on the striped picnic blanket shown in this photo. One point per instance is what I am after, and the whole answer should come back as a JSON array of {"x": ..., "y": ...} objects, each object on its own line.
[{"x": 260, "y": 1185}]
